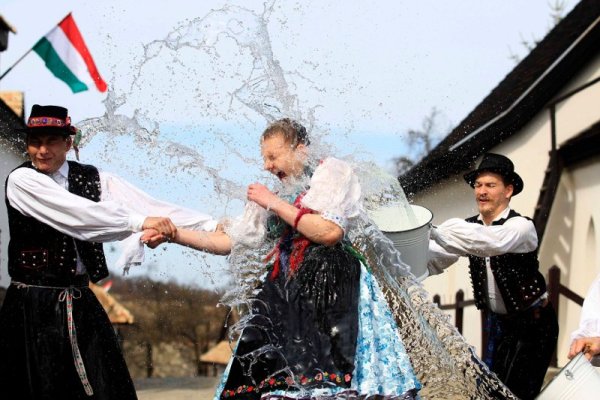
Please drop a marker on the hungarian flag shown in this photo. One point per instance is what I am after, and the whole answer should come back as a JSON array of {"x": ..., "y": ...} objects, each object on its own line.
[{"x": 68, "y": 58}]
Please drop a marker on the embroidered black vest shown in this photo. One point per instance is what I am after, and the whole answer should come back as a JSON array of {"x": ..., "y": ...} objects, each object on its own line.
[
  {"x": 39, "y": 254},
  {"x": 517, "y": 276}
]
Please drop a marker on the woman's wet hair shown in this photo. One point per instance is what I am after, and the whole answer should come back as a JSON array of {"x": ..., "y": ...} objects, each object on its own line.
[{"x": 293, "y": 132}]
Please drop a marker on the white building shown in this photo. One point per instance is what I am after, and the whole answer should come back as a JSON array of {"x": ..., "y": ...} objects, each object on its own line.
[{"x": 545, "y": 116}]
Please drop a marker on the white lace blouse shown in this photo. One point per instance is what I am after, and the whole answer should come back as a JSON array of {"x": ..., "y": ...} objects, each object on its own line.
[{"x": 333, "y": 191}]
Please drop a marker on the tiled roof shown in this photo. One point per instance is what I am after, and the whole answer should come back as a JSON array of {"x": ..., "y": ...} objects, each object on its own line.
[
  {"x": 9, "y": 122},
  {"x": 117, "y": 314},
  {"x": 5, "y": 25},
  {"x": 15, "y": 100},
  {"x": 219, "y": 354},
  {"x": 523, "y": 93}
]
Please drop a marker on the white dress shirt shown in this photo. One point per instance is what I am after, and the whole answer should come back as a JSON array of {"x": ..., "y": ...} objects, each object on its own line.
[
  {"x": 457, "y": 237},
  {"x": 589, "y": 322},
  {"x": 120, "y": 213}
]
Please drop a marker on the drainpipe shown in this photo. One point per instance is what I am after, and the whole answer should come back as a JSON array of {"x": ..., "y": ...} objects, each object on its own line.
[{"x": 553, "y": 155}]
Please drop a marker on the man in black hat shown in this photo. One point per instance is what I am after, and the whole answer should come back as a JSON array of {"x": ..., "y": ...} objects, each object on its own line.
[
  {"x": 55, "y": 339},
  {"x": 502, "y": 249}
]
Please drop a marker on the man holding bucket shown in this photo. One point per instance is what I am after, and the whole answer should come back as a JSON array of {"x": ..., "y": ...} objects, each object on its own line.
[
  {"x": 587, "y": 336},
  {"x": 502, "y": 249}
]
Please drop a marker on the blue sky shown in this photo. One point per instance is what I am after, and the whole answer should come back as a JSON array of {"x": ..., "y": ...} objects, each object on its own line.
[{"x": 359, "y": 74}]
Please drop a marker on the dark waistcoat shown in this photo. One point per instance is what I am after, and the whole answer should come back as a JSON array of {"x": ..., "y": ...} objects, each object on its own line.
[
  {"x": 516, "y": 274},
  {"x": 39, "y": 254}
]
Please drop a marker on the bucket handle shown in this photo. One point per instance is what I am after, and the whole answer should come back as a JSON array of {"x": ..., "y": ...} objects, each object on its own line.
[{"x": 569, "y": 373}]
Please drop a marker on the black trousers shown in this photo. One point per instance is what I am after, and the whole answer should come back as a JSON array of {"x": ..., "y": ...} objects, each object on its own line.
[
  {"x": 523, "y": 348},
  {"x": 36, "y": 359}
]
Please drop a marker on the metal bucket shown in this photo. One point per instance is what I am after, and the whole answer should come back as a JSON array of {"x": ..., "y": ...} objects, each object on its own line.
[
  {"x": 578, "y": 380},
  {"x": 411, "y": 241}
]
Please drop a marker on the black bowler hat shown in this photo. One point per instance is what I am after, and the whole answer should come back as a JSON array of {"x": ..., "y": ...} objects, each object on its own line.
[
  {"x": 49, "y": 120},
  {"x": 500, "y": 165}
]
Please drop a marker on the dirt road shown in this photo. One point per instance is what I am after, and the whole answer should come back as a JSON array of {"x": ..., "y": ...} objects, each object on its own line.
[{"x": 189, "y": 388}]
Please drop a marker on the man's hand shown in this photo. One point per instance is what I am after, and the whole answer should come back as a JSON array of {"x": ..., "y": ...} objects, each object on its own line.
[
  {"x": 589, "y": 345},
  {"x": 162, "y": 225},
  {"x": 152, "y": 238}
]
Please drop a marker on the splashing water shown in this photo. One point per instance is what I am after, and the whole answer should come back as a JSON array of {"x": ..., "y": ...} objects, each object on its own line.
[{"x": 224, "y": 101}]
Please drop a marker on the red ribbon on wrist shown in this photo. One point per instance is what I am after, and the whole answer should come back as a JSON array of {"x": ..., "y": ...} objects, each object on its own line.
[{"x": 301, "y": 212}]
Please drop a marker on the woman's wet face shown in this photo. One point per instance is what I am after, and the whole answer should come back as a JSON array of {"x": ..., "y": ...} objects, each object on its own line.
[{"x": 281, "y": 158}]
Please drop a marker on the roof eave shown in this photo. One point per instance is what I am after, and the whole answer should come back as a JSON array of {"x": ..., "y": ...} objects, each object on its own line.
[{"x": 448, "y": 159}]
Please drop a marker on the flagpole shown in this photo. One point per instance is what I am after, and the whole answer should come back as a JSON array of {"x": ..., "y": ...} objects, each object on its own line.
[
  {"x": 18, "y": 61},
  {"x": 28, "y": 51}
]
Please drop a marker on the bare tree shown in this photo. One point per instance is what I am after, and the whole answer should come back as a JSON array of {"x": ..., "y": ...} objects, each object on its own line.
[
  {"x": 170, "y": 312},
  {"x": 557, "y": 13},
  {"x": 420, "y": 142}
]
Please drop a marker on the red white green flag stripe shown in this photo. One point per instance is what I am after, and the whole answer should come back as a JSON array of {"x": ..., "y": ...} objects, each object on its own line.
[{"x": 65, "y": 54}]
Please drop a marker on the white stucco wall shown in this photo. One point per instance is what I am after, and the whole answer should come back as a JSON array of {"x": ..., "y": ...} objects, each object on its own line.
[
  {"x": 572, "y": 242},
  {"x": 577, "y": 247},
  {"x": 9, "y": 159},
  {"x": 581, "y": 110}
]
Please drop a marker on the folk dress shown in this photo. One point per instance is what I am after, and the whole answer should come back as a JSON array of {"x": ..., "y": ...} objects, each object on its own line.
[{"x": 319, "y": 326}]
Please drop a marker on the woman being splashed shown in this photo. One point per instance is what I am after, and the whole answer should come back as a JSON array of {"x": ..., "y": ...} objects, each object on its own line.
[{"x": 319, "y": 325}]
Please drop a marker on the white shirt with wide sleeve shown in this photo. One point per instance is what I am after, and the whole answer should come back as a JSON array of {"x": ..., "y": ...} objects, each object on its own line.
[
  {"x": 334, "y": 192},
  {"x": 121, "y": 211},
  {"x": 46, "y": 199},
  {"x": 457, "y": 237}
]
